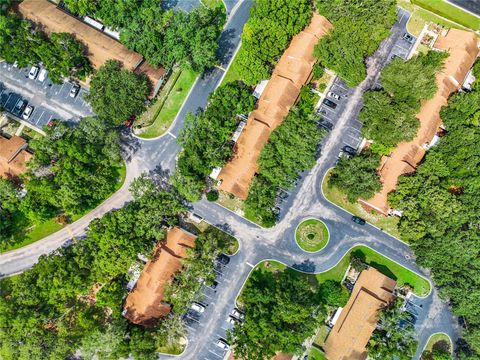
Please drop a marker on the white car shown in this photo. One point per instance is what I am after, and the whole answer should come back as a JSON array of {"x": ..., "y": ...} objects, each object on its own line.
[
  {"x": 42, "y": 75},
  {"x": 222, "y": 344},
  {"x": 197, "y": 307},
  {"x": 74, "y": 90},
  {"x": 33, "y": 72},
  {"x": 27, "y": 112},
  {"x": 237, "y": 314},
  {"x": 233, "y": 321},
  {"x": 333, "y": 95}
]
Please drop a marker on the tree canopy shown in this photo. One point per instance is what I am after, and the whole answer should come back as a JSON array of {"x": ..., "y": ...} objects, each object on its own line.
[
  {"x": 266, "y": 35},
  {"x": 358, "y": 30},
  {"x": 440, "y": 205},
  {"x": 282, "y": 309},
  {"x": 357, "y": 177},
  {"x": 60, "y": 53},
  {"x": 116, "y": 93},
  {"x": 205, "y": 137}
]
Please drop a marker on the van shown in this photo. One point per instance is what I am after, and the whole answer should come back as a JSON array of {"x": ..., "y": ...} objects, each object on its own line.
[{"x": 42, "y": 75}]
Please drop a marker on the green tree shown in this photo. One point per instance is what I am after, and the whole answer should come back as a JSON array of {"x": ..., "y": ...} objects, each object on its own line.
[
  {"x": 116, "y": 93},
  {"x": 8, "y": 205},
  {"x": 82, "y": 7},
  {"x": 357, "y": 177},
  {"x": 271, "y": 26}
]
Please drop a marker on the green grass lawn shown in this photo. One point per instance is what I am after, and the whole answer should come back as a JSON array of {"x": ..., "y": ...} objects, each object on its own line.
[
  {"x": 212, "y": 4},
  {"x": 450, "y": 12},
  {"x": 170, "y": 99},
  {"x": 439, "y": 341},
  {"x": 311, "y": 235},
  {"x": 388, "y": 224},
  {"x": 232, "y": 73},
  {"x": 39, "y": 231},
  {"x": 316, "y": 354},
  {"x": 402, "y": 275}
]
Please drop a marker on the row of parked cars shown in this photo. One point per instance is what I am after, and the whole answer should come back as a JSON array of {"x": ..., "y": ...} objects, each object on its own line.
[{"x": 36, "y": 73}]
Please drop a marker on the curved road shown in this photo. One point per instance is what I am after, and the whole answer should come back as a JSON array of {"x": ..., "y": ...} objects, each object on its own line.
[{"x": 257, "y": 243}]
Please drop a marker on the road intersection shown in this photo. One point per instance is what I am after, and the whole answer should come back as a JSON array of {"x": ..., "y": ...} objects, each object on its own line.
[{"x": 256, "y": 243}]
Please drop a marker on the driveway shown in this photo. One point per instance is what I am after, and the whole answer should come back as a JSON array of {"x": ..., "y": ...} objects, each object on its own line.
[{"x": 51, "y": 101}]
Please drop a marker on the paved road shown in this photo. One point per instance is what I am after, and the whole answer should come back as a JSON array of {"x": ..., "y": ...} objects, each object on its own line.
[
  {"x": 470, "y": 5},
  {"x": 51, "y": 101},
  {"x": 257, "y": 243}
]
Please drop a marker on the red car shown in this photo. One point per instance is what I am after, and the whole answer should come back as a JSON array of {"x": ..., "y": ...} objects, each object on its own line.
[{"x": 130, "y": 121}]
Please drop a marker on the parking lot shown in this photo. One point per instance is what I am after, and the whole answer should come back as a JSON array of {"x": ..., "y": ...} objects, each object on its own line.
[
  {"x": 50, "y": 101},
  {"x": 403, "y": 47},
  {"x": 210, "y": 299}
]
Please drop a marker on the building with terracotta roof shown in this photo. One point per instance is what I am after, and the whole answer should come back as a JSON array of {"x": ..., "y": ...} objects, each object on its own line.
[
  {"x": 294, "y": 69},
  {"x": 463, "y": 49},
  {"x": 13, "y": 156},
  {"x": 349, "y": 337},
  {"x": 100, "y": 47},
  {"x": 144, "y": 305}
]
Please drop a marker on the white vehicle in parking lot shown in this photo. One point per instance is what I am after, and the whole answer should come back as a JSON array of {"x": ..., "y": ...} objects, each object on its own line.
[
  {"x": 237, "y": 314},
  {"x": 74, "y": 90},
  {"x": 333, "y": 95},
  {"x": 222, "y": 344},
  {"x": 33, "y": 72},
  {"x": 197, "y": 307},
  {"x": 42, "y": 75},
  {"x": 27, "y": 112}
]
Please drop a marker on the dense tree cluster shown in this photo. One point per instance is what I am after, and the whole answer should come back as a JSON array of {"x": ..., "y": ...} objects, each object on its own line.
[
  {"x": 357, "y": 177},
  {"x": 394, "y": 336},
  {"x": 8, "y": 206},
  {"x": 281, "y": 310},
  {"x": 74, "y": 296},
  {"x": 72, "y": 299},
  {"x": 117, "y": 93},
  {"x": 205, "y": 137},
  {"x": 60, "y": 53},
  {"x": 388, "y": 115},
  {"x": 271, "y": 26},
  {"x": 359, "y": 27},
  {"x": 291, "y": 149},
  {"x": 441, "y": 207},
  {"x": 162, "y": 36}
]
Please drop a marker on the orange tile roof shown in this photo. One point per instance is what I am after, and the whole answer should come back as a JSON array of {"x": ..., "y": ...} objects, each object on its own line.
[
  {"x": 349, "y": 337},
  {"x": 13, "y": 156},
  {"x": 463, "y": 50},
  {"x": 144, "y": 304},
  {"x": 293, "y": 70},
  {"x": 100, "y": 47}
]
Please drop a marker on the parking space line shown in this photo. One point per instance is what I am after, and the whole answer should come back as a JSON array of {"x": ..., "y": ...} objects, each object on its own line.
[
  {"x": 210, "y": 351},
  {"x": 60, "y": 90},
  {"x": 340, "y": 86},
  {"x": 252, "y": 266}
]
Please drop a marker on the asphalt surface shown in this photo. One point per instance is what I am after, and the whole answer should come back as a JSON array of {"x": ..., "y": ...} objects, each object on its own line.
[
  {"x": 256, "y": 243},
  {"x": 50, "y": 101},
  {"x": 470, "y": 5}
]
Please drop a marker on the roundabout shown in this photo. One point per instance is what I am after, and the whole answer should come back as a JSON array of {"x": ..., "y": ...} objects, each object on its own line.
[{"x": 311, "y": 235}]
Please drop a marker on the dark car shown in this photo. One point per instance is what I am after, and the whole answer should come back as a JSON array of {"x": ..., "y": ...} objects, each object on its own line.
[
  {"x": 358, "y": 220},
  {"x": 349, "y": 150},
  {"x": 223, "y": 259},
  {"x": 19, "y": 107},
  {"x": 329, "y": 103},
  {"x": 408, "y": 38},
  {"x": 325, "y": 124}
]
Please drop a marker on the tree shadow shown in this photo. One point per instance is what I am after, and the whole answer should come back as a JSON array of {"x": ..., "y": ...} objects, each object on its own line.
[
  {"x": 307, "y": 266},
  {"x": 225, "y": 46}
]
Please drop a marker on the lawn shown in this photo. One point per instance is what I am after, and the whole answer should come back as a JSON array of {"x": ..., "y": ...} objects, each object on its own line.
[
  {"x": 212, "y": 4},
  {"x": 450, "y": 12},
  {"x": 311, "y": 235},
  {"x": 438, "y": 341},
  {"x": 316, "y": 354},
  {"x": 389, "y": 224},
  {"x": 39, "y": 231},
  {"x": 162, "y": 113},
  {"x": 402, "y": 275},
  {"x": 231, "y": 202}
]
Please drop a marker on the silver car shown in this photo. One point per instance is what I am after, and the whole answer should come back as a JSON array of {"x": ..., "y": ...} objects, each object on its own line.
[
  {"x": 27, "y": 112},
  {"x": 33, "y": 72}
]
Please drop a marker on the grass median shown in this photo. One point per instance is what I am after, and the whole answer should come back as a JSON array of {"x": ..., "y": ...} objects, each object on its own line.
[{"x": 163, "y": 112}]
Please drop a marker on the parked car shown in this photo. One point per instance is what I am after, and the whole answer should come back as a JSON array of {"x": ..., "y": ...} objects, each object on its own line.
[
  {"x": 42, "y": 75},
  {"x": 223, "y": 259},
  {"x": 129, "y": 122},
  {"x": 213, "y": 285},
  {"x": 408, "y": 38},
  {"x": 329, "y": 103},
  {"x": 74, "y": 90},
  {"x": 197, "y": 307},
  {"x": 27, "y": 112},
  {"x": 19, "y": 107},
  {"x": 222, "y": 344},
  {"x": 237, "y": 314},
  {"x": 325, "y": 124},
  {"x": 349, "y": 150},
  {"x": 233, "y": 321},
  {"x": 358, "y": 220},
  {"x": 33, "y": 72},
  {"x": 333, "y": 95}
]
